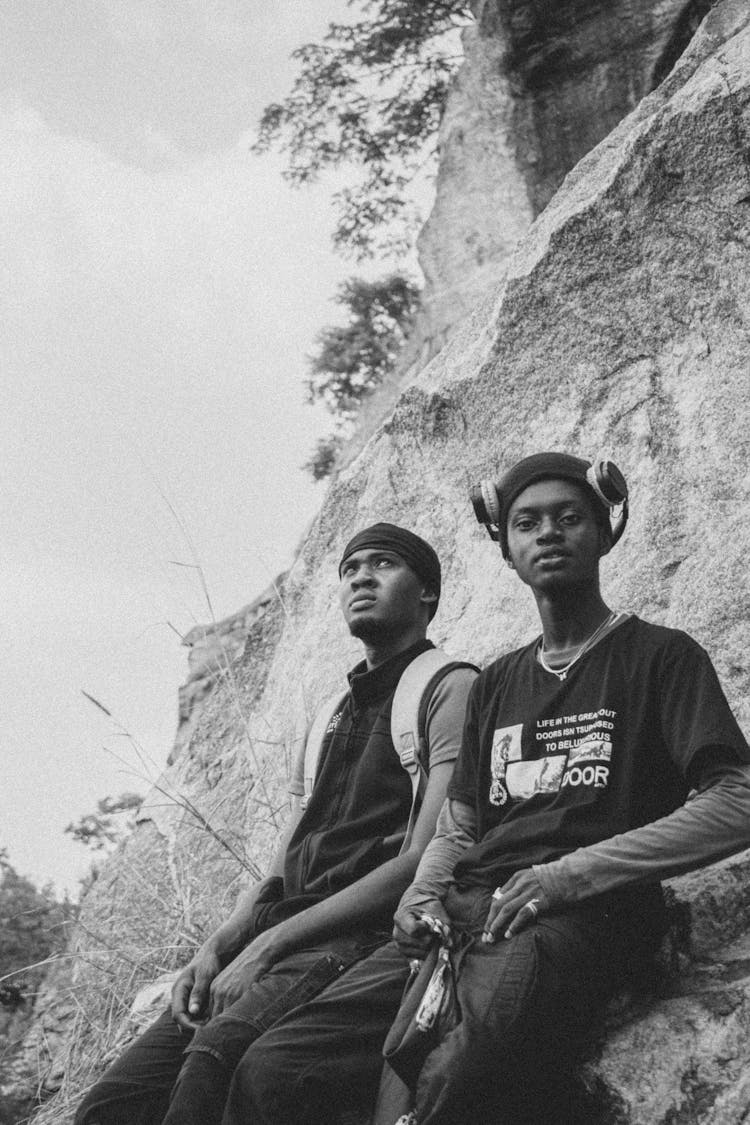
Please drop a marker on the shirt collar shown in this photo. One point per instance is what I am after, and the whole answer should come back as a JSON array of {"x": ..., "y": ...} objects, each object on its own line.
[{"x": 367, "y": 685}]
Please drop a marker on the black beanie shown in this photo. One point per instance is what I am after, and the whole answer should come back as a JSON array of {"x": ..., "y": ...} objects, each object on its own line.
[
  {"x": 546, "y": 466},
  {"x": 417, "y": 553}
]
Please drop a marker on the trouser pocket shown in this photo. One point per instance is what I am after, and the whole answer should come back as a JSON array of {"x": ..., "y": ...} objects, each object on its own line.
[{"x": 274, "y": 996}]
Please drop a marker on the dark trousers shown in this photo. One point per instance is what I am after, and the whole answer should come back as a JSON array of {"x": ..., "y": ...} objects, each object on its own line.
[
  {"x": 525, "y": 1005},
  {"x": 168, "y": 1076}
]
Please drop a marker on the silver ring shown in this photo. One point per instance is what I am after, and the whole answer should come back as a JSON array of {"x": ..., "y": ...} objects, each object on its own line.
[
  {"x": 497, "y": 894},
  {"x": 533, "y": 907}
]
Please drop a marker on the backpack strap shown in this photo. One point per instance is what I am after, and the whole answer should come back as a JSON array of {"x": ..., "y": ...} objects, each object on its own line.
[
  {"x": 409, "y": 720},
  {"x": 314, "y": 741},
  {"x": 411, "y": 701}
]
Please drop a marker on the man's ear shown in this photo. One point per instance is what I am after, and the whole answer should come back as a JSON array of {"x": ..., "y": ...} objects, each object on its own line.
[
  {"x": 605, "y": 543},
  {"x": 428, "y": 596}
]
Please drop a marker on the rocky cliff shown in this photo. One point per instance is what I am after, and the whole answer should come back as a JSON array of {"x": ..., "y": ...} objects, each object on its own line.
[
  {"x": 622, "y": 322},
  {"x": 542, "y": 83}
]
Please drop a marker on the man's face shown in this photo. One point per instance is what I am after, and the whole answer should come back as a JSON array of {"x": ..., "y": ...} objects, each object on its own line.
[
  {"x": 554, "y": 538},
  {"x": 381, "y": 596}
]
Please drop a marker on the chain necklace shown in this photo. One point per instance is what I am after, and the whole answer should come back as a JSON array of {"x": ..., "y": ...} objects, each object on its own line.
[{"x": 590, "y": 641}]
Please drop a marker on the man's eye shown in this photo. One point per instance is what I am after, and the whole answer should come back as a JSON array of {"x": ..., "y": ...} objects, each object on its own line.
[
  {"x": 524, "y": 525},
  {"x": 570, "y": 517},
  {"x": 384, "y": 562},
  {"x": 346, "y": 571}
]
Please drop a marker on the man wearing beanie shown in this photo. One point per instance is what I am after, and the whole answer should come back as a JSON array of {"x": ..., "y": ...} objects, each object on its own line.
[
  {"x": 565, "y": 810},
  {"x": 339, "y": 872}
]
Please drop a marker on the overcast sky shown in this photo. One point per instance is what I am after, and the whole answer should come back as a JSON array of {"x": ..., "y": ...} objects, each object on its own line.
[{"x": 159, "y": 287}]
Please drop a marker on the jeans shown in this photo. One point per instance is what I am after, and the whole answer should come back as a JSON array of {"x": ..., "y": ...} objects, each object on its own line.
[
  {"x": 525, "y": 1005},
  {"x": 168, "y": 1076}
]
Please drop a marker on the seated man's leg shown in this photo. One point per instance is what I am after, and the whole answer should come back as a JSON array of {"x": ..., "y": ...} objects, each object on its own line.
[
  {"x": 168, "y": 1075},
  {"x": 323, "y": 1056},
  {"x": 135, "y": 1089},
  {"x": 203, "y": 1084},
  {"x": 525, "y": 1007}
]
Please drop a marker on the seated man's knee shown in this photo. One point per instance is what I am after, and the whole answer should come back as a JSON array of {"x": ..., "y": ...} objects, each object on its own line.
[
  {"x": 92, "y": 1108},
  {"x": 262, "y": 1068},
  {"x": 98, "y": 1109},
  {"x": 225, "y": 1039},
  {"x": 266, "y": 1084}
]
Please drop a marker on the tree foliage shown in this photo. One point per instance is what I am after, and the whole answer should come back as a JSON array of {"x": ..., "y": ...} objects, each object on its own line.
[
  {"x": 370, "y": 95},
  {"x": 322, "y": 461},
  {"x": 351, "y": 359},
  {"x": 108, "y": 824},
  {"x": 31, "y": 930}
]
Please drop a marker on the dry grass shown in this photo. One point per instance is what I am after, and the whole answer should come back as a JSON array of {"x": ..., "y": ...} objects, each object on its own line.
[
  {"x": 155, "y": 901},
  {"x": 84, "y": 1019},
  {"x": 143, "y": 917}
]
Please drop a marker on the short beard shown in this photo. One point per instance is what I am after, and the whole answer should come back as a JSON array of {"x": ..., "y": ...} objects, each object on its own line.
[{"x": 369, "y": 632}]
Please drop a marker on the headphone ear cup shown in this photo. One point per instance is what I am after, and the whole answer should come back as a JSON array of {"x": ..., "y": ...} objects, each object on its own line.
[
  {"x": 607, "y": 482},
  {"x": 611, "y": 487},
  {"x": 486, "y": 504},
  {"x": 491, "y": 500}
]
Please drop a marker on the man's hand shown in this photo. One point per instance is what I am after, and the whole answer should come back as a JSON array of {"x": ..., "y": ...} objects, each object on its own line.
[
  {"x": 191, "y": 989},
  {"x": 255, "y": 960},
  {"x": 514, "y": 906},
  {"x": 412, "y": 931}
]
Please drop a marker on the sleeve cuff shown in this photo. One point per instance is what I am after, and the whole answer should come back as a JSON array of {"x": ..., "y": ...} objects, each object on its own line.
[{"x": 560, "y": 884}]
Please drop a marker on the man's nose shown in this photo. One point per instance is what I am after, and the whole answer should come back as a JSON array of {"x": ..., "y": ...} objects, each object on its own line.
[
  {"x": 548, "y": 529},
  {"x": 363, "y": 577}
]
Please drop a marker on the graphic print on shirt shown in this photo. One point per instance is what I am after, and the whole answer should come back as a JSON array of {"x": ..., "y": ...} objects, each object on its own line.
[
  {"x": 506, "y": 747},
  {"x": 577, "y": 752}
]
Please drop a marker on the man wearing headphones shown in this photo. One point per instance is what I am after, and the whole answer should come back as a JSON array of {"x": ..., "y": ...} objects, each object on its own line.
[
  {"x": 548, "y": 857},
  {"x": 343, "y": 863},
  {"x": 565, "y": 810}
]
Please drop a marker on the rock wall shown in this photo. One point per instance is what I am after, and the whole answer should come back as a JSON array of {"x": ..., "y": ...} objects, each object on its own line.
[
  {"x": 622, "y": 323},
  {"x": 543, "y": 82}
]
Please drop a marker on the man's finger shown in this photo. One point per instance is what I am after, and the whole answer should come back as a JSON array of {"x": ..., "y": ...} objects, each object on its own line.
[
  {"x": 180, "y": 995},
  {"x": 197, "y": 1000},
  {"x": 504, "y": 907},
  {"x": 216, "y": 1001},
  {"x": 492, "y": 913},
  {"x": 525, "y": 916},
  {"x": 185, "y": 1023},
  {"x": 180, "y": 1000}
]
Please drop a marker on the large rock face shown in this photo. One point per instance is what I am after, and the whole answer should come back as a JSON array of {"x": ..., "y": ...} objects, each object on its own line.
[
  {"x": 542, "y": 84},
  {"x": 623, "y": 323}
]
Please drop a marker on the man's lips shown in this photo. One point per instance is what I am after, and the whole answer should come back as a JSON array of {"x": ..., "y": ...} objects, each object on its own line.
[
  {"x": 552, "y": 554},
  {"x": 361, "y": 601}
]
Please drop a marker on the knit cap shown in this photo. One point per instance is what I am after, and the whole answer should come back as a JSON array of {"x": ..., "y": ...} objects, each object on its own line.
[
  {"x": 416, "y": 552},
  {"x": 546, "y": 466}
]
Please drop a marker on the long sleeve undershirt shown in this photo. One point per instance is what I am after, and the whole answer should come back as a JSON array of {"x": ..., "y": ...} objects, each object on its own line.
[
  {"x": 712, "y": 824},
  {"x": 455, "y": 831}
]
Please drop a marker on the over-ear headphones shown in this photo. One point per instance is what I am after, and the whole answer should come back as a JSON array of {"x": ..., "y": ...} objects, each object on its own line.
[
  {"x": 485, "y": 500},
  {"x": 609, "y": 485},
  {"x": 492, "y": 501}
]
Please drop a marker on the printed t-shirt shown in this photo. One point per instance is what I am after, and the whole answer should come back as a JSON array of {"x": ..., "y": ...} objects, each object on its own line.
[{"x": 551, "y": 765}]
